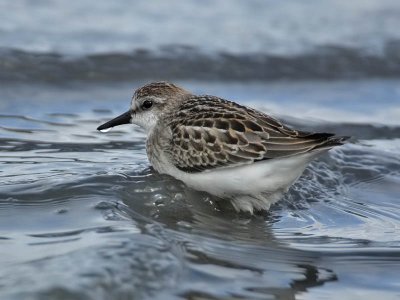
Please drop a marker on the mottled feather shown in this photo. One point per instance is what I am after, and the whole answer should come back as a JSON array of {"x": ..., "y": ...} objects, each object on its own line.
[{"x": 209, "y": 132}]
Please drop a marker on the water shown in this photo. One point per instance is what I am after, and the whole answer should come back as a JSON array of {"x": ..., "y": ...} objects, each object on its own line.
[
  {"x": 257, "y": 40},
  {"x": 255, "y": 27},
  {"x": 82, "y": 214}
]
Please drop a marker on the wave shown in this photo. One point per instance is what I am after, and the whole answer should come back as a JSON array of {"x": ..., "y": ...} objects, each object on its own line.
[{"x": 180, "y": 62}]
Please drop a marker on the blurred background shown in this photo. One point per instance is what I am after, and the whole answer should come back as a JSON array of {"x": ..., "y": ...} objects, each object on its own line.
[
  {"x": 225, "y": 40},
  {"x": 82, "y": 214}
]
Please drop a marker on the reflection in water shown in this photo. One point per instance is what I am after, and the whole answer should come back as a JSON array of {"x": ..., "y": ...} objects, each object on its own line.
[{"x": 219, "y": 246}]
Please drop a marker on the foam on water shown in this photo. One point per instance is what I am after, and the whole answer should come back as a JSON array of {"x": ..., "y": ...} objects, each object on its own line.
[
  {"x": 249, "y": 40},
  {"x": 279, "y": 28}
]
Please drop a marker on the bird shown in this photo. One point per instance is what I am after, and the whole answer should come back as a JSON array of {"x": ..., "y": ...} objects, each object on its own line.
[{"x": 218, "y": 146}]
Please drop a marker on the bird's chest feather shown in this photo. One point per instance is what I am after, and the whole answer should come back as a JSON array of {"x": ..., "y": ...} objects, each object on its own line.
[{"x": 156, "y": 147}]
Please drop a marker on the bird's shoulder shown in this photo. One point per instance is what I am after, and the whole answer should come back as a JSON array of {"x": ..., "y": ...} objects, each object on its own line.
[{"x": 217, "y": 113}]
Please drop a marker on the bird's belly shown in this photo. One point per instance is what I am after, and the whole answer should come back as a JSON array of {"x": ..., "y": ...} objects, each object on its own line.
[{"x": 267, "y": 176}]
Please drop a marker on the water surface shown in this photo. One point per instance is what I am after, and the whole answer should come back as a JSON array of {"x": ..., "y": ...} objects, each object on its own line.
[{"x": 83, "y": 215}]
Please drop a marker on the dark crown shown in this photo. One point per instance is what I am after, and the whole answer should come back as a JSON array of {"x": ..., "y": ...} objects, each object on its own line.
[{"x": 159, "y": 89}]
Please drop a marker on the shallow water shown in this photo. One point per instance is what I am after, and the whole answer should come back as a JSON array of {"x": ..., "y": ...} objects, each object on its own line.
[{"x": 83, "y": 216}]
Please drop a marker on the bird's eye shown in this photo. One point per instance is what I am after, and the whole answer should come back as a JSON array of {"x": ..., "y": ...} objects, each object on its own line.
[{"x": 147, "y": 104}]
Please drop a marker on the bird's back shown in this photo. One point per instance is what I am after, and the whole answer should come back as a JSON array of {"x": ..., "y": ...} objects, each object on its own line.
[{"x": 209, "y": 132}]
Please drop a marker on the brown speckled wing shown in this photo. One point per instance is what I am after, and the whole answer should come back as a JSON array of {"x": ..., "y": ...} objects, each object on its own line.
[{"x": 209, "y": 132}]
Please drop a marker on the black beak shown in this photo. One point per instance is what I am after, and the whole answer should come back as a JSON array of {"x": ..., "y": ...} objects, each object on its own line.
[{"x": 125, "y": 118}]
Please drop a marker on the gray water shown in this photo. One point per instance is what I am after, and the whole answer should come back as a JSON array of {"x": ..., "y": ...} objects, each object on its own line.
[{"x": 83, "y": 215}]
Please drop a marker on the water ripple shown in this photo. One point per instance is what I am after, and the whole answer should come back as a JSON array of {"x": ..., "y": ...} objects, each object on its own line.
[{"x": 82, "y": 214}]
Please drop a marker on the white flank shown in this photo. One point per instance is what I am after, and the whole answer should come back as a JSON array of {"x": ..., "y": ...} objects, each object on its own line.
[{"x": 250, "y": 187}]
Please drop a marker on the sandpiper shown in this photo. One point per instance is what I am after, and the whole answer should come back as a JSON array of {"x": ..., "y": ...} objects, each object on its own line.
[{"x": 218, "y": 146}]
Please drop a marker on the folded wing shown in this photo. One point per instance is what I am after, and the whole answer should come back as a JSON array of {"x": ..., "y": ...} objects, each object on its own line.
[{"x": 209, "y": 132}]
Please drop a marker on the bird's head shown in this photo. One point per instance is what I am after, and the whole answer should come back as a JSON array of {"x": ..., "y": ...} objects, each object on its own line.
[{"x": 148, "y": 104}]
